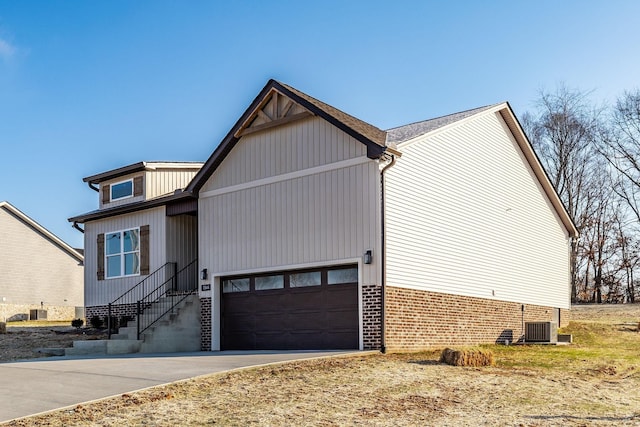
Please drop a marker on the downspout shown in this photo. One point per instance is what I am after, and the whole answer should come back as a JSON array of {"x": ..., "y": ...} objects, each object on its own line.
[
  {"x": 77, "y": 227},
  {"x": 96, "y": 189},
  {"x": 383, "y": 345}
]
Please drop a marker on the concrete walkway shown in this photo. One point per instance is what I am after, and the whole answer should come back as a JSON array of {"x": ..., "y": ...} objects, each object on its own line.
[{"x": 40, "y": 385}]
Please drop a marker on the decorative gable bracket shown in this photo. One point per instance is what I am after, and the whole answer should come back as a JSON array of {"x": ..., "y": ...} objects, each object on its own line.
[{"x": 276, "y": 109}]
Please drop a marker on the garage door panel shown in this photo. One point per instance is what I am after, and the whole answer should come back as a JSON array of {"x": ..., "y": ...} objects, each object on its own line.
[{"x": 309, "y": 317}]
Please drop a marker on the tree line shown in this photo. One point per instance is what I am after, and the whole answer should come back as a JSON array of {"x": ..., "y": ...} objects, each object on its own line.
[{"x": 592, "y": 155}]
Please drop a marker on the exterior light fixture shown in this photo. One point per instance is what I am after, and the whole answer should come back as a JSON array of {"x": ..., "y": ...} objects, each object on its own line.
[
  {"x": 368, "y": 256},
  {"x": 203, "y": 274}
]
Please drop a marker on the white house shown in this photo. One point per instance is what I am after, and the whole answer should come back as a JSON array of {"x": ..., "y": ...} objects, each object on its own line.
[
  {"x": 316, "y": 230},
  {"x": 40, "y": 275}
]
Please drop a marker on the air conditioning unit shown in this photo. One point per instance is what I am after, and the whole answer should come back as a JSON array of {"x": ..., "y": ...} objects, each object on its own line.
[
  {"x": 37, "y": 314},
  {"x": 541, "y": 332}
]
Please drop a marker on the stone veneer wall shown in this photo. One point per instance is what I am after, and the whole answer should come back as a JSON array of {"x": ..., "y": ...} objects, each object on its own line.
[
  {"x": 11, "y": 312},
  {"x": 371, "y": 314},
  {"x": 417, "y": 320},
  {"x": 205, "y": 324}
]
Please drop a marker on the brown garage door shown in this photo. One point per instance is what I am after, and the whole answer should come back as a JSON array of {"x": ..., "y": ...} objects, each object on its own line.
[{"x": 294, "y": 310}]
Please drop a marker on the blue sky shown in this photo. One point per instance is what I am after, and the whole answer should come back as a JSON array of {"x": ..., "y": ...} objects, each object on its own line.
[{"x": 89, "y": 86}]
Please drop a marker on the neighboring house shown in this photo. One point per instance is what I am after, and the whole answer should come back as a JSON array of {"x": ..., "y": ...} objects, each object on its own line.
[
  {"x": 38, "y": 271},
  {"x": 314, "y": 229}
]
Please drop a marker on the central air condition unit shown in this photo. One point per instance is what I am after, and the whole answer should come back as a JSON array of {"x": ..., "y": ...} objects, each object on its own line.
[
  {"x": 541, "y": 332},
  {"x": 37, "y": 314}
]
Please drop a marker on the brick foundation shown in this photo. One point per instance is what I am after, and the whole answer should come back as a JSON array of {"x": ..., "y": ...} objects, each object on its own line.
[
  {"x": 417, "y": 320},
  {"x": 118, "y": 311},
  {"x": 371, "y": 327},
  {"x": 205, "y": 324}
]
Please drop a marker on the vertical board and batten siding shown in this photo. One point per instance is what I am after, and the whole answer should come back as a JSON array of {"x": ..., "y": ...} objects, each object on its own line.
[
  {"x": 465, "y": 215},
  {"x": 166, "y": 181},
  {"x": 301, "y": 145},
  {"x": 182, "y": 239},
  {"x": 156, "y": 183},
  {"x": 35, "y": 270},
  {"x": 102, "y": 292},
  {"x": 327, "y": 216}
]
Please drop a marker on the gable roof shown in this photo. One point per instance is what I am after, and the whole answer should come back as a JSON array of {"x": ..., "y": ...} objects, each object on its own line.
[
  {"x": 371, "y": 136},
  {"x": 412, "y": 130},
  {"x": 16, "y": 213},
  {"x": 409, "y": 132}
]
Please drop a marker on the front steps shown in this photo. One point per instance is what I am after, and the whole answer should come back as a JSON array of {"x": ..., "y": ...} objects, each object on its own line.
[{"x": 177, "y": 331}]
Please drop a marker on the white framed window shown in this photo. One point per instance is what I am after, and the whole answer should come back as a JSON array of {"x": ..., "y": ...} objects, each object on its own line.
[
  {"x": 122, "y": 190},
  {"x": 122, "y": 253}
]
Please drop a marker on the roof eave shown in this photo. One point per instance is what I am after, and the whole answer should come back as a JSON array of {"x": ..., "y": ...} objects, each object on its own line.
[
  {"x": 374, "y": 150},
  {"x": 49, "y": 235},
  {"x": 507, "y": 114},
  {"x": 130, "y": 208}
]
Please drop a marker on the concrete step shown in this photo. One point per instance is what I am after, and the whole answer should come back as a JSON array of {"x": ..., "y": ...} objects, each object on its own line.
[
  {"x": 87, "y": 347},
  {"x": 123, "y": 346}
]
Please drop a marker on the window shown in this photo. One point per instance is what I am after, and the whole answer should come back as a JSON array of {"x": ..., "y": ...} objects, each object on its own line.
[
  {"x": 300, "y": 280},
  {"x": 344, "y": 275},
  {"x": 122, "y": 251},
  {"x": 269, "y": 282},
  {"x": 122, "y": 190},
  {"x": 235, "y": 285}
]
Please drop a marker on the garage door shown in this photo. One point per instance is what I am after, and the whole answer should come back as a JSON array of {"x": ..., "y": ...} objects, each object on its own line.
[{"x": 293, "y": 310}]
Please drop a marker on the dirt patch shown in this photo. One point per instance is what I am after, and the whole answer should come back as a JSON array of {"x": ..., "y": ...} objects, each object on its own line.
[
  {"x": 593, "y": 382},
  {"x": 21, "y": 342}
]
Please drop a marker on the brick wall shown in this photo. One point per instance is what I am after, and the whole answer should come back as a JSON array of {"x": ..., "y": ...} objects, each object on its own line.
[
  {"x": 371, "y": 305},
  {"x": 419, "y": 319},
  {"x": 118, "y": 311},
  {"x": 205, "y": 324}
]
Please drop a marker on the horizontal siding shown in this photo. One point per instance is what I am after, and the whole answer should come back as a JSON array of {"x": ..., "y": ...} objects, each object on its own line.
[
  {"x": 34, "y": 270},
  {"x": 104, "y": 291},
  {"x": 465, "y": 215},
  {"x": 296, "y": 146},
  {"x": 307, "y": 220}
]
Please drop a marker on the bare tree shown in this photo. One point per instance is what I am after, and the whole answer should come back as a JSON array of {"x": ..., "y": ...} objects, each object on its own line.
[
  {"x": 620, "y": 145},
  {"x": 563, "y": 131}
]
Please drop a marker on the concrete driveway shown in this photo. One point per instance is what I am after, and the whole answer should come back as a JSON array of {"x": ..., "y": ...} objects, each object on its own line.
[{"x": 40, "y": 385}]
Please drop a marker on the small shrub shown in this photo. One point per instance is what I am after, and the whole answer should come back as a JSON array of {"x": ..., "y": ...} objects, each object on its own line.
[
  {"x": 475, "y": 357},
  {"x": 123, "y": 320},
  {"x": 113, "y": 324},
  {"x": 77, "y": 323},
  {"x": 96, "y": 322}
]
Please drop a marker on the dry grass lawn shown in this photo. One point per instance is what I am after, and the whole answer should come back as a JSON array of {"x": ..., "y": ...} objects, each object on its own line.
[
  {"x": 594, "y": 382},
  {"x": 23, "y": 338}
]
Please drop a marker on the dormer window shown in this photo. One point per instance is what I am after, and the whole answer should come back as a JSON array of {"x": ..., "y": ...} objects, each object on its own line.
[{"x": 122, "y": 190}]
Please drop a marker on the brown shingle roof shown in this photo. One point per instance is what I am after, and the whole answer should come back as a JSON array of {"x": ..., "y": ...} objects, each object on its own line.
[
  {"x": 367, "y": 134},
  {"x": 365, "y": 129}
]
